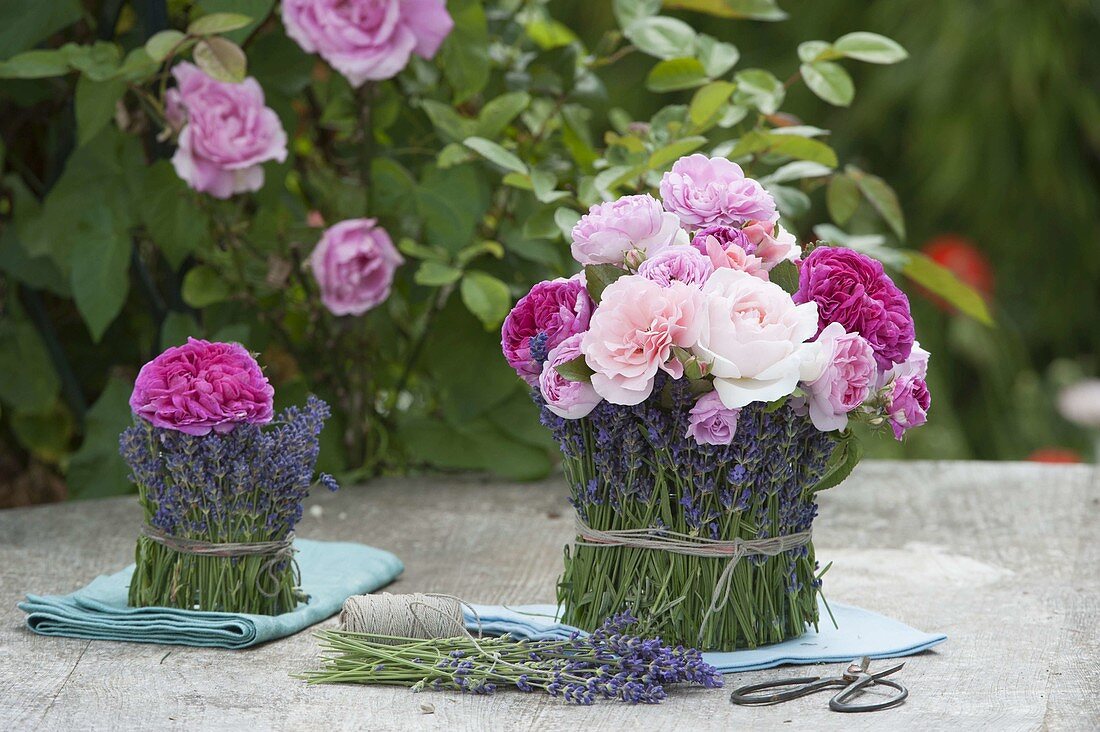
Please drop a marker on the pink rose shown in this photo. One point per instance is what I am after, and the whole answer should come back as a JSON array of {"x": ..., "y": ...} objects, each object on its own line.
[
  {"x": 368, "y": 39},
  {"x": 202, "y": 386},
  {"x": 771, "y": 243},
  {"x": 906, "y": 394},
  {"x": 632, "y": 334},
  {"x": 754, "y": 338},
  {"x": 354, "y": 265},
  {"x": 610, "y": 230},
  {"x": 226, "y": 132},
  {"x": 543, "y": 318},
  {"x": 847, "y": 376},
  {"x": 565, "y": 398},
  {"x": 679, "y": 263},
  {"x": 734, "y": 257},
  {"x": 705, "y": 191},
  {"x": 710, "y": 422}
]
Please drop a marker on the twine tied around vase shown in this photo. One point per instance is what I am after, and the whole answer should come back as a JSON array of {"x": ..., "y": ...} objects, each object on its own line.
[
  {"x": 275, "y": 551},
  {"x": 695, "y": 546}
]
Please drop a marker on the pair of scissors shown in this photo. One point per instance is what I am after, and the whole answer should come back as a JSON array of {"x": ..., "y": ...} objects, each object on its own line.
[{"x": 854, "y": 681}]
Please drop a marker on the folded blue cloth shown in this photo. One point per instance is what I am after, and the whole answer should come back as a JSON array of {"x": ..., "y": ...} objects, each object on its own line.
[
  {"x": 860, "y": 633},
  {"x": 331, "y": 572}
]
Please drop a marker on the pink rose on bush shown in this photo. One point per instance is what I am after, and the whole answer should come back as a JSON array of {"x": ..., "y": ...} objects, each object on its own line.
[
  {"x": 679, "y": 263},
  {"x": 734, "y": 257},
  {"x": 565, "y": 398},
  {"x": 226, "y": 132},
  {"x": 852, "y": 289},
  {"x": 706, "y": 191},
  {"x": 632, "y": 334},
  {"x": 771, "y": 243},
  {"x": 551, "y": 312},
  {"x": 609, "y": 230},
  {"x": 710, "y": 422},
  {"x": 201, "y": 387},
  {"x": 354, "y": 264},
  {"x": 368, "y": 39},
  {"x": 847, "y": 376},
  {"x": 754, "y": 338},
  {"x": 907, "y": 399}
]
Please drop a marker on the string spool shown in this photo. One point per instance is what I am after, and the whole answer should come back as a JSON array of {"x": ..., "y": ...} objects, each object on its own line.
[{"x": 415, "y": 615}]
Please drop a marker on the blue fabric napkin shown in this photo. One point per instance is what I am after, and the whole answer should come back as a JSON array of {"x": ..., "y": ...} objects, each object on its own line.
[
  {"x": 860, "y": 633},
  {"x": 331, "y": 572}
]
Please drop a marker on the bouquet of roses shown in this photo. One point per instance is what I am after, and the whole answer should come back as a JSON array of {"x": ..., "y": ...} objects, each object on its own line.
[
  {"x": 221, "y": 494},
  {"x": 700, "y": 375}
]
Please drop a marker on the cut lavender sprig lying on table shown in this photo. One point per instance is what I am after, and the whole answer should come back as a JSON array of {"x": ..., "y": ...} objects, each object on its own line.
[{"x": 612, "y": 662}]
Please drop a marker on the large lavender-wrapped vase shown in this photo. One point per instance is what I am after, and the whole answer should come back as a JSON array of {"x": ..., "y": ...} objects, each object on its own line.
[{"x": 634, "y": 468}]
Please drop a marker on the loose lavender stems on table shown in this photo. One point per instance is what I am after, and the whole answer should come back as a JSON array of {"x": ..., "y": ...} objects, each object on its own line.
[{"x": 611, "y": 663}]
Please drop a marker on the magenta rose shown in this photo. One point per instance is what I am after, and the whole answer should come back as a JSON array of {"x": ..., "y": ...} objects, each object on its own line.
[
  {"x": 551, "y": 312},
  {"x": 676, "y": 264},
  {"x": 725, "y": 235},
  {"x": 354, "y": 265},
  {"x": 847, "y": 376},
  {"x": 368, "y": 39},
  {"x": 565, "y": 398},
  {"x": 611, "y": 230},
  {"x": 633, "y": 332},
  {"x": 710, "y": 422},
  {"x": 906, "y": 394},
  {"x": 706, "y": 191},
  {"x": 201, "y": 387},
  {"x": 226, "y": 132},
  {"x": 852, "y": 289}
]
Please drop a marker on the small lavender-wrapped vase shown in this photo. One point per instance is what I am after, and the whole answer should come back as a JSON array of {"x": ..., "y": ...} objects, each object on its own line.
[{"x": 634, "y": 469}]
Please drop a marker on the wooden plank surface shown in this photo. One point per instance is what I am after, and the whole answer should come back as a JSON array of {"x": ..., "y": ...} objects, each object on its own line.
[{"x": 1004, "y": 558}]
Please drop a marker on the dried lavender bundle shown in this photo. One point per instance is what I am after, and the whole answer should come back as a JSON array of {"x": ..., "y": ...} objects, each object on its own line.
[
  {"x": 241, "y": 488},
  {"x": 634, "y": 468},
  {"x": 613, "y": 662}
]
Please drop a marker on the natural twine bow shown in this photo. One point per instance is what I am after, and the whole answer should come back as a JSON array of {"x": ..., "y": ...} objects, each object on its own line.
[
  {"x": 695, "y": 546},
  {"x": 276, "y": 551}
]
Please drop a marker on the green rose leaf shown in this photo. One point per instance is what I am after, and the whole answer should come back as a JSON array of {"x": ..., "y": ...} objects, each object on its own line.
[
  {"x": 599, "y": 276},
  {"x": 465, "y": 53},
  {"x": 882, "y": 197},
  {"x": 96, "y": 469},
  {"x": 30, "y": 383},
  {"x": 843, "y": 460},
  {"x": 716, "y": 56},
  {"x": 215, "y": 23},
  {"x": 742, "y": 9},
  {"x": 829, "y": 81},
  {"x": 576, "y": 369},
  {"x": 842, "y": 198},
  {"x": 628, "y": 11},
  {"x": 810, "y": 51},
  {"x": 798, "y": 170},
  {"x": 708, "y": 101},
  {"x": 550, "y": 34},
  {"x": 760, "y": 89},
  {"x": 663, "y": 37},
  {"x": 496, "y": 154},
  {"x": 221, "y": 59},
  {"x": 160, "y": 45},
  {"x": 870, "y": 47},
  {"x": 434, "y": 273},
  {"x": 486, "y": 297},
  {"x": 95, "y": 105},
  {"x": 25, "y": 23},
  {"x": 35, "y": 65},
  {"x": 203, "y": 286},
  {"x": 785, "y": 274},
  {"x": 100, "y": 270},
  {"x": 676, "y": 74},
  {"x": 566, "y": 219},
  {"x": 499, "y": 112},
  {"x": 169, "y": 214},
  {"x": 941, "y": 281},
  {"x": 674, "y": 151}
]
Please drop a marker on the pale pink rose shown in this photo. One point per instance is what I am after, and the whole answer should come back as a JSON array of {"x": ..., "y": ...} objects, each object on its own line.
[
  {"x": 710, "y": 422},
  {"x": 226, "y": 132},
  {"x": 565, "y": 398},
  {"x": 754, "y": 337},
  {"x": 734, "y": 257},
  {"x": 847, "y": 377},
  {"x": 609, "y": 231},
  {"x": 354, "y": 265},
  {"x": 632, "y": 334},
  {"x": 706, "y": 191},
  {"x": 368, "y": 39}
]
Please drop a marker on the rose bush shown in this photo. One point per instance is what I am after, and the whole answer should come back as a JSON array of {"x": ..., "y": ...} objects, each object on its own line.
[{"x": 475, "y": 135}]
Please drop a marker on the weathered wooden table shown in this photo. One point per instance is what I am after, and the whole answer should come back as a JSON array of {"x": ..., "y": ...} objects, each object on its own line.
[{"x": 1004, "y": 558}]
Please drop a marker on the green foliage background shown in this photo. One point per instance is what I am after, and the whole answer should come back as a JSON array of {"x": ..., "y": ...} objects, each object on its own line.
[{"x": 477, "y": 161}]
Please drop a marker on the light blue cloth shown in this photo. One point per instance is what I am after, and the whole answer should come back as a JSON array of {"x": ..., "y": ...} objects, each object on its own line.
[
  {"x": 331, "y": 572},
  {"x": 860, "y": 633}
]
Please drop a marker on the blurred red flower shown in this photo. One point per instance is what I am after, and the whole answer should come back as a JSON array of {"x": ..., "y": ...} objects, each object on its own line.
[
  {"x": 958, "y": 254},
  {"x": 1054, "y": 455}
]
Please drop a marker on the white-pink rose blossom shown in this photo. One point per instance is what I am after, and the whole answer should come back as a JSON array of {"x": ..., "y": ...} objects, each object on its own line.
[
  {"x": 610, "y": 230},
  {"x": 754, "y": 338},
  {"x": 843, "y": 377}
]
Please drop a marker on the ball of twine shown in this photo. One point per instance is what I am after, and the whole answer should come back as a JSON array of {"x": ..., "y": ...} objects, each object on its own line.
[{"x": 415, "y": 615}]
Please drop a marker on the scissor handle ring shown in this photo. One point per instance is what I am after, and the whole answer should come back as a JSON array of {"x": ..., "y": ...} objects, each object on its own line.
[
  {"x": 743, "y": 696},
  {"x": 838, "y": 703}
]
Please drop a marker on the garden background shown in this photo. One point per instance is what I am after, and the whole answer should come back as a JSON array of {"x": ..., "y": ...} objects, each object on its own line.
[{"x": 989, "y": 132}]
